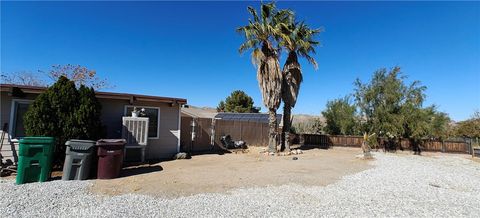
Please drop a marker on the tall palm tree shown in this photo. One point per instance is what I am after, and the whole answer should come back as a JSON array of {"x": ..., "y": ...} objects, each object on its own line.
[
  {"x": 262, "y": 35},
  {"x": 299, "y": 42}
]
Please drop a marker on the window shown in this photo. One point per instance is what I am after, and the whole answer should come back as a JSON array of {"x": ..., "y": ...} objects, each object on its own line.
[
  {"x": 153, "y": 113},
  {"x": 19, "y": 108}
]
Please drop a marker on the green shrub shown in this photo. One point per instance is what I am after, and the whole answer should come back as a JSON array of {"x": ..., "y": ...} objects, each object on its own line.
[
  {"x": 65, "y": 113},
  {"x": 88, "y": 115}
]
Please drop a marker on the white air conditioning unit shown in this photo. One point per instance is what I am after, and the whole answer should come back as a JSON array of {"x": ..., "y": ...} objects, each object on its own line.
[{"x": 135, "y": 132}]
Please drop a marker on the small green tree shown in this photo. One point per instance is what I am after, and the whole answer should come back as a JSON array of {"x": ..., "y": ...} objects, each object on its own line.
[
  {"x": 238, "y": 102},
  {"x": 381, "y": 100},
  {"x": 416, "y": 125},
  {"x": 391, "y": 108},
  {"x": 469, "y": 128},
  {"x": 51, "y": 112},
  {"x": 221, "y": 106},
  {"x": 439, "y": 125},
  {"x": 340, "y": 117},
  {"x": 65, "y": 113}
]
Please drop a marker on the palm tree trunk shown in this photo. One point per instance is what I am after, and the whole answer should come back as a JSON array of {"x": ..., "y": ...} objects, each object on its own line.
[
  {"x": 270, "y": 83},
  {"x": 272, "y": 131},
  {"x": 292, "y": 77},
  {"x": 286, "y": 126}
]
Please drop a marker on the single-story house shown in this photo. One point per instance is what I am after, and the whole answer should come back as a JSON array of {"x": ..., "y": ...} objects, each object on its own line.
[{"x": 164, "y": 118}]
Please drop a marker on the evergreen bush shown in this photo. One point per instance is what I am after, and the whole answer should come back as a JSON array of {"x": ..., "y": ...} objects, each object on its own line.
[{"x": 64, "y": 112}]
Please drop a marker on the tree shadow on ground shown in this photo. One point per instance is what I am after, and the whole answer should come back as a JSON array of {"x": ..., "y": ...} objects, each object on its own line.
[
  {"x": 141, "y": 169},
  {"x": 129, "y": 169},
  {"x": 311, "y": 147},
  {"x": 216, "y": 151}
]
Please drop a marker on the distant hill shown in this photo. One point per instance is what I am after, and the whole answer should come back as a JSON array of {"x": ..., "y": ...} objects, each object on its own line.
[
  {"x": 302, "y": 118},
  {"x": 207, "y": 109}
]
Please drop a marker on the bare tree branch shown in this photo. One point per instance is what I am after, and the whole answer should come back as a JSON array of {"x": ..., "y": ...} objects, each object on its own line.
[
  {"x": 22, "y": 78},
  {"x": 79, "y": 74}
]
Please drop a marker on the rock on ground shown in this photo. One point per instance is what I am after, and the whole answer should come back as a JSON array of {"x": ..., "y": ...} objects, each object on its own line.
[{"x": 399, "y": 186}]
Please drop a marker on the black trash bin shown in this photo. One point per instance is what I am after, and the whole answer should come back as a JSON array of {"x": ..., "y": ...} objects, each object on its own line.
[
  {"x": 78, "y": 159},
  {"x": 110, "y": 157}
]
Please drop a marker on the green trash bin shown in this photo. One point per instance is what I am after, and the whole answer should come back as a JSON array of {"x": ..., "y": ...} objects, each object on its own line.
[
  {"x": 35, "y": 159},
  {"x": 78, "y": 159}
]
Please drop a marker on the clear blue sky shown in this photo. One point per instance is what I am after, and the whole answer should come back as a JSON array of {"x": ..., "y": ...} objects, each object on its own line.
[{"x": 189, "y": 49}]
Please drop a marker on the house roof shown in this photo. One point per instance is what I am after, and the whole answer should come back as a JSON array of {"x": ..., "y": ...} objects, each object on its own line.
[
  {"x": 250, "y": 117},
  {"x": 104, "y": 95},
  {"x": 199, "y": 112}
]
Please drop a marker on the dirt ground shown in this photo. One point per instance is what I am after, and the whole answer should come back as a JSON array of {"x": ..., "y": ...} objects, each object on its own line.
[{"x": 219, "y": 173}]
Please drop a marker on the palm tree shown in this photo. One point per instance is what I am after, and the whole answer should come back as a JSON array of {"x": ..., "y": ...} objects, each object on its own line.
[
  {"x": 300, "y": 42},
  {"x": 262, "y": 35}
]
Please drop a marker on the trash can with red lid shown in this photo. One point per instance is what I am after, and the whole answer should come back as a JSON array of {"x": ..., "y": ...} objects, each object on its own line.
[{"x": 110, "y": 157}]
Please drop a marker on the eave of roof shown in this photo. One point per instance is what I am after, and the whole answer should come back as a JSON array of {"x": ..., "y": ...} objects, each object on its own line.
[{"x": 104, "y": 95}]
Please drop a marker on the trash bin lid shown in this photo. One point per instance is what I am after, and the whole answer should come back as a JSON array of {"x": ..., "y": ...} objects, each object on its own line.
[
  {"x": 77, "y": 144},
  {"x": 111, "y": 142},
  {"x": 37, "y": 140}
]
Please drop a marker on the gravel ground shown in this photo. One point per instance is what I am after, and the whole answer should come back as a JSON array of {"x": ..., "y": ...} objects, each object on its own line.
[{"x": 398, "y": 186}]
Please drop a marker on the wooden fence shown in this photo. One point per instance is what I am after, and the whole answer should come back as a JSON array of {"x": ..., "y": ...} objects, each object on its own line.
[
  {"x": 253, "y": 133},
  {"x": 323, "y": 141},
  {"x": 209, "y": 131},
  {"x": 201, "y": 140}
]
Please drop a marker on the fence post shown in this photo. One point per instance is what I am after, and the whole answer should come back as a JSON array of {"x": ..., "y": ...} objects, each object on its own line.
[
  {"x": 261, "y": 135},
  {"x": 468, "y": 145},
  {"x": 212, "y": 137},
  {"x": 241, "y": 131}
]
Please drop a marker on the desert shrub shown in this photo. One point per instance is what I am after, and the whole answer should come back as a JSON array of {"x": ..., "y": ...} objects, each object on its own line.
[{"x": 312, "y": 126}]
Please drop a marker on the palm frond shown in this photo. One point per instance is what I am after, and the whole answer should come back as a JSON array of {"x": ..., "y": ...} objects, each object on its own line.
[
  {"x": 301, "y": 40},
  {"x": 253, "y": 12},
  {"x": 311, "y": 60},
  {"x": 268, "y": 26},
  {"x": 248, "y": 44},
  {"x": 267, "y": 9},
  {"x": 257, "y": 57}
]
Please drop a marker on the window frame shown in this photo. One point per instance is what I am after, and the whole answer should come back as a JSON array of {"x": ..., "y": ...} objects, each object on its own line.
[
  {"x": 13, "y": 114},
  {"x": 149, "y": 107}
]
